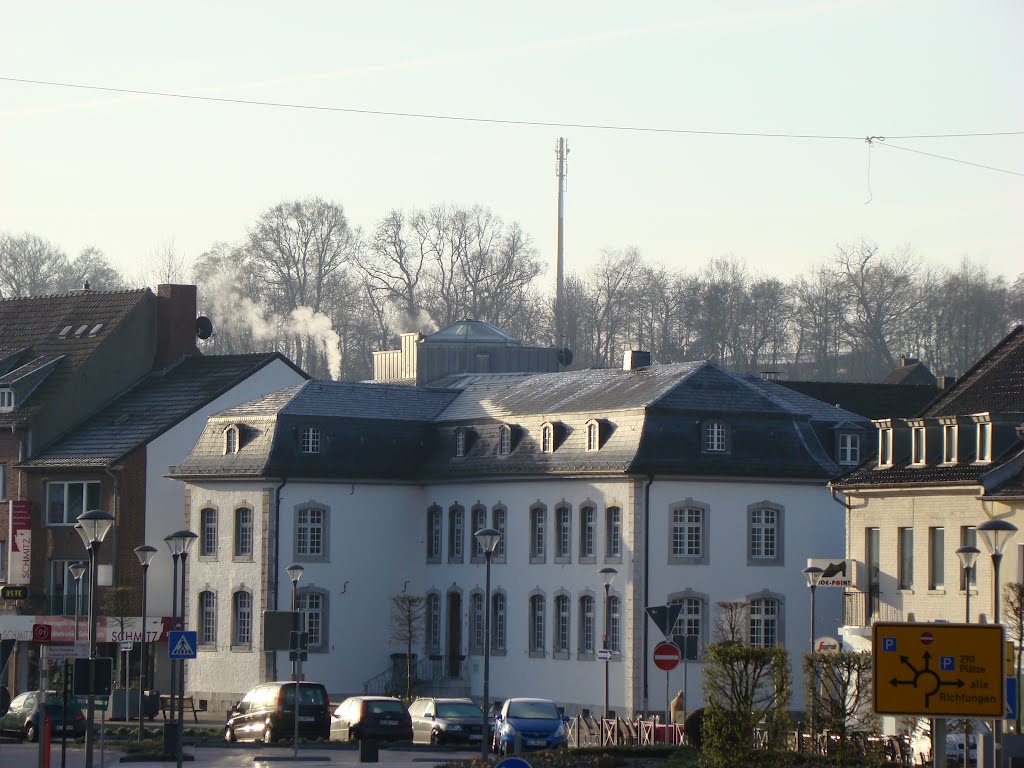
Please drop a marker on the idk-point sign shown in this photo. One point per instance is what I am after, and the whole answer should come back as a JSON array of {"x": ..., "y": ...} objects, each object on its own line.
[{"x": 938, "y": 670}]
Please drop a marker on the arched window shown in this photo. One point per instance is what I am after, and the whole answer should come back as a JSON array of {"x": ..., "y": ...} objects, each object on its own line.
[
  {"x": 498, "y": 517},
  {"x": 504, "y": 440},
  {"x": 498, "y": 622},
  {"x": 241, "y": 619},
  {"x": 434, "y": 533},
  {"x": 765, "y": 616},
  {"x": 478, "y": 521},
  {"x": 586, "y": 636},
  {"x": 476, "y": 622},
  {"x": 208, "y": 533},
  {"x": 230, "y": 439},
  {"x": 207, "y": 619},
  {"x": 593, "y": 435},
  {"x": 613, "y": 533},
  {"x": 547, "y": 438},
  {"x": 537, "y": 625},
  {"x": 456, "y": 534},
  {"x": 432, "y": 622},
  {"x": 460, "y": 442},
  {"x": 562, "y": 625},
  {"x": 537, "y": 526},
  {"x": 614, "y": 620},
  {"x": 243, "y": 532}
]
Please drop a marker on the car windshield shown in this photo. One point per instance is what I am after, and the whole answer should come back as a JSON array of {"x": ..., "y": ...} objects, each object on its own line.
[
  {"x": 458, "y": 709},
  {"x": 384, "y": 707},
  {"x": 308, "y": 694},
  {"x": 534, "y": 710}
]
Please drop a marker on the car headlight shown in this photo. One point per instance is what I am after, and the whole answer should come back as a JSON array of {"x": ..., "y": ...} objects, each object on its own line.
[
  {"x": 508, "y": 728},
  {"x": 559, "y": 732}
]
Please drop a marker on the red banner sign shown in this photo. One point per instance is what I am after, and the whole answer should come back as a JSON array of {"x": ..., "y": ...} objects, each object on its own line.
[{"x": 19, "y": 569}]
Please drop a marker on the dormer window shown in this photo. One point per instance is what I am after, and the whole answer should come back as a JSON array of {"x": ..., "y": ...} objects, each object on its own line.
[
  {"x": 460, "y": 443},
  {"x": 714, "y": 437},
  {"x": 231, "y": 440},
  {"x": 984, "y": 441},
  {"x": 504, "y": 440},
  {"x": 6, "y": 400},
  {"x": 849, "y": 448},
  {"x": 917, "y": 446},
  {"x": 547, "y": 438},
  {"x": 593, "y": 435},
  {"x": 950, "y": 436},
  {"x": 311, "y": 440},
  {"x": 885, "y": 447}
]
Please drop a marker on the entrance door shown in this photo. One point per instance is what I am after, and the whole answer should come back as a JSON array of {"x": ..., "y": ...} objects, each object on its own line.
[{"x": 453, "y": 645}]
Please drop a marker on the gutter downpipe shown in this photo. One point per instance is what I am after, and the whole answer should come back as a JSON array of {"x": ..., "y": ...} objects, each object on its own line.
[
  {"x": 647, "y": 575},
  {"x": 844, "y": 502},
  {"x": 277, "y": 552}
]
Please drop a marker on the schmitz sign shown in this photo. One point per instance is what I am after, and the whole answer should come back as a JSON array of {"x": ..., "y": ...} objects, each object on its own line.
[{"x": 19, "y": 568}]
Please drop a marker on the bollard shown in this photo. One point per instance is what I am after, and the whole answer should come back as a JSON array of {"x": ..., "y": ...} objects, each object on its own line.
[
  {"x": 368, "y": 751},
  {"x": 170, "y": 738}
]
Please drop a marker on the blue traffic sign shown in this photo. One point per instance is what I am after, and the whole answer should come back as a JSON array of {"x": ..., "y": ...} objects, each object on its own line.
[
  {"x": 947, "y": 663},
  {"x": 889, "y": 644},
  {"x": 512, "y": 762},
  {"x": 181, "y": 644}
]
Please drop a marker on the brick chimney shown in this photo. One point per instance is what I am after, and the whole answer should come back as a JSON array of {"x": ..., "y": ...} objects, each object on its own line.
[
  {"x": 635, "y": 359},
  {"x": 175, "y": 324}
]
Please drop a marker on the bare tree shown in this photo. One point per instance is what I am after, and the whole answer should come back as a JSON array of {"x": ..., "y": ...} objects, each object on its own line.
[
  {"x": 838, "y": 689},
  {"x": 731, "y": 620},
  {"x": 30, "y": 266},
  {"x": 406, "y": 627},
  {"x": 1013, "y": 620},
  {"x": 92, "y": 266}
]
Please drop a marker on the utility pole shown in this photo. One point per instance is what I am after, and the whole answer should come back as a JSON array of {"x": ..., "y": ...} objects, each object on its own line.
[{"x": 562, "y": 154}]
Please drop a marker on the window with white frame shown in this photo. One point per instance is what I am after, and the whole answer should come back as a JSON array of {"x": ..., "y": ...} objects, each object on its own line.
[
  {"x": 714, "y": 436},
  {"x": 587, "y": 625},
  {"x": 936, "y": 557},
  {"x": 208, "y": 533},
  {"x": 690, "y": 622},
  {"x": 764, "y": 524},
  {"x": 562, "y": 625},
  {"x": 456, "y": 534},
  {"x": 476, "y": 623},
  {"x": 434, "y": 533},
  {"x": 593, "y": 435},
  {"x": 207, "y": 618},
  {"x": 764, "y": 621},
  {"x": 310, "y": 533},
  {"x": 311, "y": 440},
  {"x": 6, "y": 399},
  {"x": 614, "y": 624},
  {"x": 231, "y": 439},
  {"x": 243, "y": 532},
  {"x": 950, "y": 438},
  {"x": 241, "y": 619},
  {"x": 311, "y": 605},
  {"x": 498, "y": 622},
  {"x": 885, "y": 447},
  {"x": 613, "y": 533},
  {"x": 588, "y": 533},
  {"x": 536, "y": 625},
  {"x": 65, "y": 501},
  {"x": 849, "y": 448},
  {"x": 917, "y": 446},
  {"x": 478, "y": 517},
  {"x": 432, "y": 621},
  {"x": 547, "y": 438},
  {"x": 498, "y": 518},
  {"x": 537, "y": 534},
  {"x": 689, "y": 529},
  {"x": 984, "y": 451},
  {"x": 504, "y": 440},
  {"x": 563, "y": 538},
  {"x": 460, "y": 443}
]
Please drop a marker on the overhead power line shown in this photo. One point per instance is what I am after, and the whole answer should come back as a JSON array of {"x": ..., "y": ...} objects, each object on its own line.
[{"x": 528, "y": 123}]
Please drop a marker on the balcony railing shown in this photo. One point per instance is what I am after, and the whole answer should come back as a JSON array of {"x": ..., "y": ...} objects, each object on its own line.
[
  {"x": 862, "y": 609},
  {"x": 59, "y": 604}
]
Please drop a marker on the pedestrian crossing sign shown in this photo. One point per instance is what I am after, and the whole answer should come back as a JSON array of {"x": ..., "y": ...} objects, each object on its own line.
[{"x": 181, "y": 644}]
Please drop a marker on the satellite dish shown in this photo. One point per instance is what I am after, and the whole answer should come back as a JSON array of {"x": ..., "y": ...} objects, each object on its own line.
[
  {"x": 204, "y": 328},
  {"x": 565, "y": 356}
]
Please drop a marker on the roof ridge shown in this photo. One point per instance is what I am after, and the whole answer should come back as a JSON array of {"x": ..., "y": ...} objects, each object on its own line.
[{"x": 75, "y": 292}]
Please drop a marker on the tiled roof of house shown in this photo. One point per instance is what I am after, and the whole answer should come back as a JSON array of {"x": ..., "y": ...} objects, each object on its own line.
[
  {"x": 994, "y": 384},
  {"x": 157, "y": 403},
  {"x": 68, "y": 326},
  {"x": 875, "y": 401}
]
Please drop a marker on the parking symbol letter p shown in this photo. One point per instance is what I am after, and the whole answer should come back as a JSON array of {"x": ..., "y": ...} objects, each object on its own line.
[{"x": 889, "y": 644}]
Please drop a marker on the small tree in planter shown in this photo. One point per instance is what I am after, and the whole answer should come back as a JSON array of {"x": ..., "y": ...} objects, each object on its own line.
[
  {"x": 838, "y": 693},
  {"x": 407, "y": 612}
]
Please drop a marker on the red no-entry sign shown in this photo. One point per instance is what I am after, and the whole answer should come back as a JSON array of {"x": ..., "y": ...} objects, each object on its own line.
[{"x": 666, "y": 656}]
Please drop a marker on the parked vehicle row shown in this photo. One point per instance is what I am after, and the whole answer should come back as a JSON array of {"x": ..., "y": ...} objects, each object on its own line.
[
  {"x": 21, "y": 719},
  {"x": 267, "y": 713}
]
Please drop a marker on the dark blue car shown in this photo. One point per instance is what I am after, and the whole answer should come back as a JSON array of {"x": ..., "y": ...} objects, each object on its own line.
[{"x": 536, "y": 723}]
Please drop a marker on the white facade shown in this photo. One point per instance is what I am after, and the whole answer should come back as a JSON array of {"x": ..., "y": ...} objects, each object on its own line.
[{"x": 377, "y": 547}]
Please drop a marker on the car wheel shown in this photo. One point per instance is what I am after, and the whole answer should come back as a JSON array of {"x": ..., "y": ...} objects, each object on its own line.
[
  {"x": 435, "y": 738},
  {"x": 353, "y": 734},
  {"x": 229, "y": 734},
  {"x": 268, "y": 735},
  {"x": 30, "y": 732}
]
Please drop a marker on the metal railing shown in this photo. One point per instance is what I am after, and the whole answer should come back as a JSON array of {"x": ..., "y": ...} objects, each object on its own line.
[
  {"x": 391, "y": 682},
  {"x": 862, "y": 609}
]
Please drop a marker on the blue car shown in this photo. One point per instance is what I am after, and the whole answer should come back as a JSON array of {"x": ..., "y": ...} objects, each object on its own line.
[{"x": 537, "y": 724}]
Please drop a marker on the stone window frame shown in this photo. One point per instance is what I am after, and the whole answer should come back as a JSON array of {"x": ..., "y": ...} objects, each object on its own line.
[
  {"x": 235, "y": 615},
  {"x": 499, "y": 622},
  {"x": 456, "y": 533},
  {"x": 561, "y": 597},
  {"x": 236, "y": 554},
  {"x": 615, "y": 639},
  {"x": 499, "y": 521},
  {"x": 609, "y": 557},
  {"x": 588, "y": 559},
  {"x": 477, "y": 520},
  {"x": 780, "y": 615},
  {"x": 475, "y": 618},
  {"x": 704, "y": 618},
  {"x": 435, "y": 533},
  {"x": 325, "y": 532},
  {"x": 432, "y": 621},
  {"x": 504, "y": 440},
  {"x": 325, "y": 616},
  {"x": 460, "y": 443},
  {"x": 581, "y": 629},
  {"x": 705, "y": 532},
  {"x": 202, "y": 553},
  {"x": 779, "y": 558},
  {"x": 547, "y": 437},
  {"x": 538, "y": 532},
  {"x": 537, "y": 606},
  {"x": 563, "y": 507},
  {"x": 593, "y": 435},
  {"x": 232, "y": 439},
  {"x": 201, "y": 615}
]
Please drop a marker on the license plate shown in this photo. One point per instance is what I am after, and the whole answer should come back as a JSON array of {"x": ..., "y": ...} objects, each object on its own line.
[
  {"x": 475, "y": 737},
  {"x": 535, "y": 743},
  {"x": 307, "y": 719},
  {"x": 389, "y": 722}
]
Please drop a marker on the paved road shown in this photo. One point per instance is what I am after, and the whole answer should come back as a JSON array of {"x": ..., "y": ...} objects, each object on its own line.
[{"x": 20, "y": 755}]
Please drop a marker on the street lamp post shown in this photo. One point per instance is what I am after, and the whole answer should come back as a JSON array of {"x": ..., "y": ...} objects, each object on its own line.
[
  {"x": 488, "y": 539},
  {"x": 995, "y": 534},
  {"x": 607, "y": 575},
  {"x": 295, "y": 572},
  {"x": 77, "y": 571},
  {"x": 813, "y": 574},
  {"x": 968, "y": 556},
  {"x": 145, "y": 553},
  {"x": 93, "y": 527},
  {"x": 179, "y": 543}
]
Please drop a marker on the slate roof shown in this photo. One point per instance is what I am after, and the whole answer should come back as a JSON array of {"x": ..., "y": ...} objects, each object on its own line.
[
  {"x": 993, "y": 384},
  {"x": 651, "y": 421},
  {"x": 158, "y": 402},
  {"x": 875, "y": 401},
  {"x": 32, "y": 327},
  {"x": 910, "y": 374}
]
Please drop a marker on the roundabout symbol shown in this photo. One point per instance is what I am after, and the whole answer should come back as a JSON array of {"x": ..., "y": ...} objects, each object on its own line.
[{"x": 927, "y": 679}]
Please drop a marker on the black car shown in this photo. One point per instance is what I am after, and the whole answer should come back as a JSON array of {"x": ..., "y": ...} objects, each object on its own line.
[
  {"x": 446, "y": 721},
  {"x": 21, "y": 717},
  {"x": 267, "y": 713},
  {"x": 371, "y": 717}
]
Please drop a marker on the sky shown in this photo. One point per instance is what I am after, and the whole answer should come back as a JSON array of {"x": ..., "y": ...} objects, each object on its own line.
[{"x": 130, "y": 174}]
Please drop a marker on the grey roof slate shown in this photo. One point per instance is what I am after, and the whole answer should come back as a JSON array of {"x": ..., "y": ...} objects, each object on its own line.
[{"x": 155, "y": 404}]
